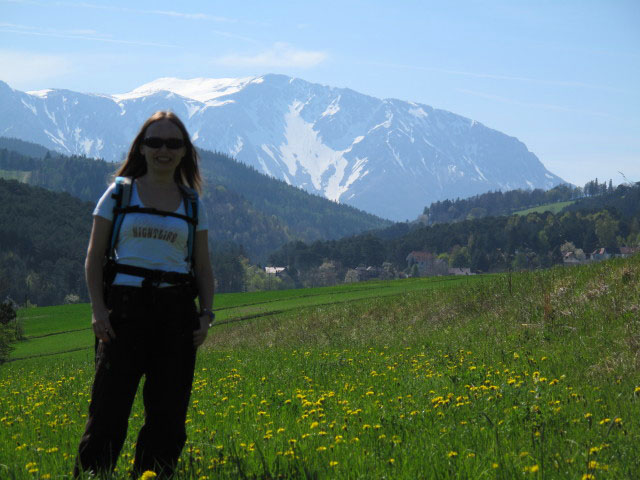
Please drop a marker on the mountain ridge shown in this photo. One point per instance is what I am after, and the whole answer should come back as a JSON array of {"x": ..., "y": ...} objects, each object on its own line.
[{"x": 384, "y": 156}]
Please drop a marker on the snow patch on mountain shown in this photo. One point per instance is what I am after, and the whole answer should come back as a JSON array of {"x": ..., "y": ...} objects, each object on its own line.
[
  {"x": 333, "y": 108},
  {"x": 389, "y": 157},
  {"x": 385, "y": 124},
  {"x": 237, "y": 147},
  {"x": 480, "y": 173},
  {"x": 305, "y": 149},
  {"x": 418, "y": 112},
  {"x": 40, "y": 93},
  {"x": 200, "y": 89},
  {"x": 29, "y": 106}
]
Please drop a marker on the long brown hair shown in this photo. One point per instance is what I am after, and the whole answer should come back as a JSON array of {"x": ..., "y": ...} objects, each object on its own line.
[{"x": 187, "y": 172}]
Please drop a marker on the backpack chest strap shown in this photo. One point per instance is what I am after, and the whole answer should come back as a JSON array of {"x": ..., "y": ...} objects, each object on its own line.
[{"x": 153, "y": 211}]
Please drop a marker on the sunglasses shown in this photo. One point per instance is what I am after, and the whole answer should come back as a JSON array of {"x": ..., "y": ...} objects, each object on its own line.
[{"x": 157, "y": 142}]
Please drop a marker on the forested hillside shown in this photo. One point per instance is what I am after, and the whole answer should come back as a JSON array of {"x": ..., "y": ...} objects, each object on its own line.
[
  {"x": 250, "y": 215},
  {"x": 505, "y": 203},
  {"x": 308, "y": 217},
  {"x": 486, "y": 244},
  {"x": 43, "y": 242},
  {"x": 244, "y": 206}
]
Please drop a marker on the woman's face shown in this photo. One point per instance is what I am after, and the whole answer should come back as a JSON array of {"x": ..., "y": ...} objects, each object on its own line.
[{"x": 163, "y": 147}]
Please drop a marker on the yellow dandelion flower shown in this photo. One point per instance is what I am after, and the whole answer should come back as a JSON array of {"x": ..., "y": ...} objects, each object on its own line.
[
  {"x": 392, "y": 461},
  {"x": 149, "y": 474},
  {"x": 333, "y": 463},
  {"x": 452, "y": 454},
  {"x": 588, "y": 476},
  {"x": 321, "y": 449},
  {"x": 534, "y": 469},
  {"x": 471, "y": 455},
  {"x": 495, "y": 465},
  {"x": 593, "y": 465},
  {"x": 314, "y": 425}
]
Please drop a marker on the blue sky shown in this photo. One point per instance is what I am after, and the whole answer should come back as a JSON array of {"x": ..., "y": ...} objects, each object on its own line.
[{"x": 562, "y": 76}]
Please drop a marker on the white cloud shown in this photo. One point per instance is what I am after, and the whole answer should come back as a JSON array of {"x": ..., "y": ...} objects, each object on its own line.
[
  {"x": 91, "y": 35},
  {"x": 20, "y": 67},
  {"x": 492, "y": 76},
  {"x": 544, "y": 106},
  {"x": 113, "y": 8},
  {"x": 279, "y": 55},
  {"x": 190, "y": 16}
]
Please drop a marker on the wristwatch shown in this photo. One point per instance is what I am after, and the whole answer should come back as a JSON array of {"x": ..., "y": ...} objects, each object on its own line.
[{"x": 210, "y": 314}]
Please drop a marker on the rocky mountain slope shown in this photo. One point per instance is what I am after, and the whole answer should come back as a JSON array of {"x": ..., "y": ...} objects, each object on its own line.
[{"x": 388, "y": 157}]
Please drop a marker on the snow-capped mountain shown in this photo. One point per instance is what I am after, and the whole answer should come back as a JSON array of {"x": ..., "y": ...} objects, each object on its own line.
[{"x": 388, "y": 157}]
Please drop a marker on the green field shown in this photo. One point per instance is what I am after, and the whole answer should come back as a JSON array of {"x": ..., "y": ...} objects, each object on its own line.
[
  {"x": 532, "y": 375},
  {"x": 550, "y": 207},
  {"x": 15, "y": 175},
  {"x": 66, "y": 328}
]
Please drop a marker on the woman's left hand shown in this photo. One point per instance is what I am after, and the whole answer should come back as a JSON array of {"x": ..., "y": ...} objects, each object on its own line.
[{"x": 200, "y": 334}]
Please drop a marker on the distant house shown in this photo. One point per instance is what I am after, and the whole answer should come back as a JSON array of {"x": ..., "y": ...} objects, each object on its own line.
[
  {"x": 362, "y": 274},
  {"x": 628, "y": 251},
  {"x": 460, "y": 271},
  {"x": 600, "y": 254},
  {"x": 428, "y": 263},
  {"x": 275, "y": 271},
  {"x": 570, "y": 258},
  {"x": 419, "y": 258}
]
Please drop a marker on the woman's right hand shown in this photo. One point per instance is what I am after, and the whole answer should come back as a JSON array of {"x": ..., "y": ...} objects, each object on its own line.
[{"x": 101, "y": 325}]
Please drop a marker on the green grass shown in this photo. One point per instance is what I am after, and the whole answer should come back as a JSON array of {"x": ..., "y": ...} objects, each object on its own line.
[
  {"x": 19, "y": 175},
  {"x": 533, "y": 375},
  {"x": 66, "y": 328},
  {"x": 550, "y": 207}
]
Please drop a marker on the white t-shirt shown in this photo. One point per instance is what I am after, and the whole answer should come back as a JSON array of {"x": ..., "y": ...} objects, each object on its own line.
[{"x": 149, "y": 241}]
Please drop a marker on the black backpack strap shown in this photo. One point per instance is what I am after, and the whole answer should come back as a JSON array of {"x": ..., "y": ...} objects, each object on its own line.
[
  {"x": 190, "y": 197},
  {"x": 122, "y": 196},
  {"x": 153, "y": 211}
]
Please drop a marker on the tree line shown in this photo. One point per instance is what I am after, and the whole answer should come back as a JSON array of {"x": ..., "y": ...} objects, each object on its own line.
[
  {"x": 244, "y": 206},
  {"x": 492, "y": 204},
  {"x": 495, "y": 243}
]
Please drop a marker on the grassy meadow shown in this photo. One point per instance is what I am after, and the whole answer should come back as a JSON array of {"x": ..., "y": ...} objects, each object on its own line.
[
  {"x": 530, "y": 375},
  {"x": 550, "y": 207}
]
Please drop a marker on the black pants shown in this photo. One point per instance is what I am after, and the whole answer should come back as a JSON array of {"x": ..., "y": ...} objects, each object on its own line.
[{"x": 153, "y": 330}]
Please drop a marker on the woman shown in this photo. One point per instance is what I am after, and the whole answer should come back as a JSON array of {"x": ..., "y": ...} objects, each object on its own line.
[{"x": 148, "y": 325}]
